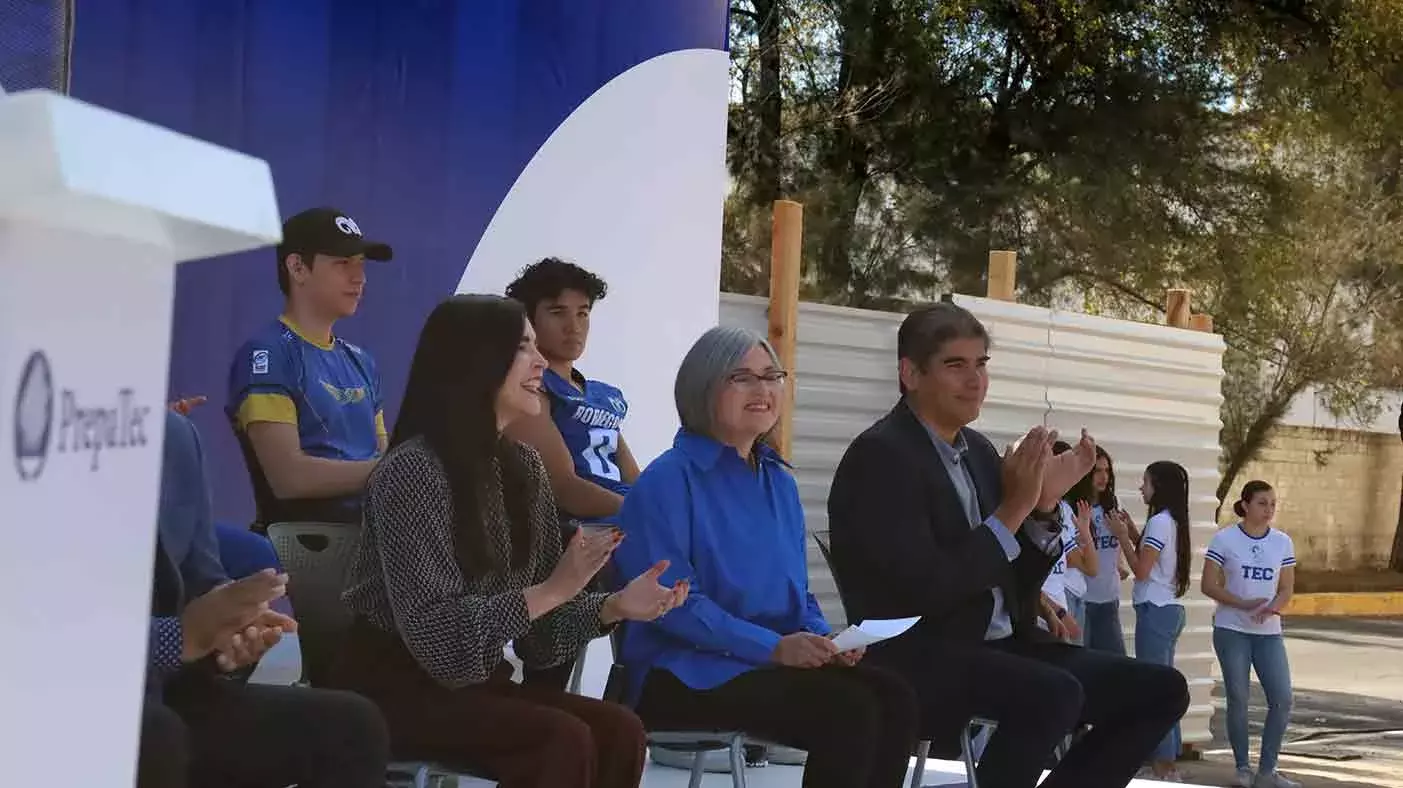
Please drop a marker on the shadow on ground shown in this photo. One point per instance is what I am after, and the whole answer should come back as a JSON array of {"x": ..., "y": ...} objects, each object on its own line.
[{"x": 1344, "y": 733}]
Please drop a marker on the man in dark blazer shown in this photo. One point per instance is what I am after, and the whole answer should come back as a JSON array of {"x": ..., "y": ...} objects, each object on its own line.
[
  {"x": 200, "y": 724},
  {"x": 927, "y": 519}
]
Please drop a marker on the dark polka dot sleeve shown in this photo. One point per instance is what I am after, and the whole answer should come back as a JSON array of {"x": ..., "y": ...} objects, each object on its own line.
[
  {"x": 558, "y": 636},
  {"x": 167, "y": 643},
  {"x": 406, "y": 579}
]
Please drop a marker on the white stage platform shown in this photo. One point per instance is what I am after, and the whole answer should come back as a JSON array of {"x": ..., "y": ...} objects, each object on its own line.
[{"x": 943, "y": 773}]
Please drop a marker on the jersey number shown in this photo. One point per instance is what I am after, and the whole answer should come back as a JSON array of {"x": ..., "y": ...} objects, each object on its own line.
[{"x": 603, "y": 445}]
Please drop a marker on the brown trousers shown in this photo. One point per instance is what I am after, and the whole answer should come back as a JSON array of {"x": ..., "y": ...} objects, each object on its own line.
[{"x": 522, "y": 736}]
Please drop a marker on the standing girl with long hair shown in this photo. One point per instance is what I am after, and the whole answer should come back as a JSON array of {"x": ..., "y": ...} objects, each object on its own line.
[
  {"x": 1159, "y": 559},
  {"x": 1250, "y": 571},
  {"x": 1098, "y": 580},
  {"x": 460, "y": 554}
]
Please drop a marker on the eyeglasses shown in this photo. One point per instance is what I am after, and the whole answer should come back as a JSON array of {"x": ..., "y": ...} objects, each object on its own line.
[{"x": 750, "y": 380}]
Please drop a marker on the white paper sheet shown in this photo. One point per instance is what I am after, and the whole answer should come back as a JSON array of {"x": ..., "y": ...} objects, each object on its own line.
[
  {"x": 872, "y": 631},
  {"x": 281, "y": 665}
]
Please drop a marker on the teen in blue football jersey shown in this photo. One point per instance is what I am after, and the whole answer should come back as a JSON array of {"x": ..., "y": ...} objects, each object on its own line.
[
  {"x": 578, "y": 434},
  {"x": 306, "y": 404}
]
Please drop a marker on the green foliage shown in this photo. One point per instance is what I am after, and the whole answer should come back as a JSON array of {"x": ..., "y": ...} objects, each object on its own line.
[{"x": 1251, "y": 151}]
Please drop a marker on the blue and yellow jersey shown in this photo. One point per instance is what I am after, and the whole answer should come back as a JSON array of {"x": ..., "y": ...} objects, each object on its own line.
[{"x": 329, "y": 392}]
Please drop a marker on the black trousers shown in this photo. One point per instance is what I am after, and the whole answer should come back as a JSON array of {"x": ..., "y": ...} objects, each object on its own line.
[
  {"x": 857, "y": 724},
  {"x": 224, "y": 734},
  {"x": 1038, "y": 692}
]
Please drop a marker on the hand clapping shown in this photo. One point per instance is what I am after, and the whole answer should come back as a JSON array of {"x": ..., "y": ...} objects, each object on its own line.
[
  {"x": 644, "y": 598},
  {"x": 1066, "y": 469},
  {"x": 247, "y": 646},
  {"x": 1023, "y": 471}
]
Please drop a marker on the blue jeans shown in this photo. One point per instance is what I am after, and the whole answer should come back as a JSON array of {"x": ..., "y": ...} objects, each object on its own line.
[
  {"x": 1157, "y": 630},
  {"x": 1102, "y": 629},
  {"x": 1076, "y": 608},
  {"x": 1238, "y": 654}
]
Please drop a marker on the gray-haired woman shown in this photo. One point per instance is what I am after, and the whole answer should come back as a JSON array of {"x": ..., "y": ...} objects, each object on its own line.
[{"x": 750, "y": 649}]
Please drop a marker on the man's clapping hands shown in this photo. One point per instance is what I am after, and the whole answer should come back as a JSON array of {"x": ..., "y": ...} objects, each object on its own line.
[
  {"x": 233, "y": 621},
  {"x": 1035, "y": 479}
]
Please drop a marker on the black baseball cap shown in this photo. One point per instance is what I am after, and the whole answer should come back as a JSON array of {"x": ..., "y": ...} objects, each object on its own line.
[{"x": 331, "y": 232}]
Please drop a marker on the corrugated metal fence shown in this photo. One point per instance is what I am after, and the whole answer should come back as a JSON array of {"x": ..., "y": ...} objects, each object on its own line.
[{"x": 1147, "y": 392}]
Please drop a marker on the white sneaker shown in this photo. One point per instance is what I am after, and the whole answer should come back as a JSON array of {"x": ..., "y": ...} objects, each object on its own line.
[
  {"x": 1274, "y": 780},
  {"x": 1244, "y": 779}
]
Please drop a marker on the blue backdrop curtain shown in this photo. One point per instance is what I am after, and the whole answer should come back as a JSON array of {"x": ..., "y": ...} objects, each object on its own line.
[{"x": 413, "y": 116}]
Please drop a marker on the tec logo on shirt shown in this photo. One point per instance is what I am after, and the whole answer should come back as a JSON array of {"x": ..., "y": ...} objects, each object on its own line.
[{"x": 1258, "y": 573}]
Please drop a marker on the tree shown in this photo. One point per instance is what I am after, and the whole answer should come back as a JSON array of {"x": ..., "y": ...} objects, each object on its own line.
[
  {"x": 1299, "y": 319},
  {"x": 1247, "y": 150}
]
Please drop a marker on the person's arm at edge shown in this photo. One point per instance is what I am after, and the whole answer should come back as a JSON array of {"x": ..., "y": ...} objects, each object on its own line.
[
  {"x": 294, "y": 474},
  {"x": 1142, "y": 550},
  {"x": 579, "y": 497},
  {"x": 167, "y": 644},
  {"x": 812, "y": 619},
  {"x": 628, "y": 464},
  {"x": 562, "y": 633},
  {"x": 1285, "y": 584},
  {"x": 202, "y": 568},
  {"x": 1084, "y": 557},
  {"x": 1214, "y": 585}
]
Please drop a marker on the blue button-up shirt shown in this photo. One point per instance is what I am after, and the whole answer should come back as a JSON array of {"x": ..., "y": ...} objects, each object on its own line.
[
  {"x": 953, "y": 458},
  {"x": 738, "y": 533}
]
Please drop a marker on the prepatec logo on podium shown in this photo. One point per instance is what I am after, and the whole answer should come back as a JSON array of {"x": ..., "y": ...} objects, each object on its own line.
[
  {"x": 34, "y": 416},
  {"x": 81, "y": 428}
]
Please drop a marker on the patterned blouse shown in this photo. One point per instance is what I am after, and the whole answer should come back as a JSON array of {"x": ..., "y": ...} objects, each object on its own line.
[{"x": 405, "y": 577}]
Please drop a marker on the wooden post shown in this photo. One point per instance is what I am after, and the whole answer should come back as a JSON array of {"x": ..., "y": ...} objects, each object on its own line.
[
  {"x": 1003, "y": 274},
  {"x": 1176, "y": 308},
  {"x": 1199, "y": 322},
  {"x": 787, "y": 236}
]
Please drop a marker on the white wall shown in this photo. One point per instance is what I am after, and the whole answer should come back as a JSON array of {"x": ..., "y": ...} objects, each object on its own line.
[
  {"x": 630, "y": 186},
  {"x": 1307, "y": 410}
]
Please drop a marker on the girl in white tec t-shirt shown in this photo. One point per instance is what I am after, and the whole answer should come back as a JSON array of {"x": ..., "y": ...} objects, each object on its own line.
[
  {"x": 1159, "y": 558},
  {"x": 1250, "y": 571},
  {"x": 1097, "y": 598},
  {"x": 1065, "y": 586}
]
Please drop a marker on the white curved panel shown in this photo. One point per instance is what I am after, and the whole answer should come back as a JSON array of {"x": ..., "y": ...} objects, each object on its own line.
[{"x": 630, "y": 186}]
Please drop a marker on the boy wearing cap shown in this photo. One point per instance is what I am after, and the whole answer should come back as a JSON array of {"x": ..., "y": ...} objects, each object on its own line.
[{"x": 305, "y": 404}]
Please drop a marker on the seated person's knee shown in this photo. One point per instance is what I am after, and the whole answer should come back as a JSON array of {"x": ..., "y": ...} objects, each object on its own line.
[
  {"x": 625, "y": 730},
  {"x": 568, "y": 740},
  {"x": 1164, "y": 687},
  {"x": 358, "y": 719},
  {"x": 1060, "y": 698},
  {"x": 852, "y": 711}
]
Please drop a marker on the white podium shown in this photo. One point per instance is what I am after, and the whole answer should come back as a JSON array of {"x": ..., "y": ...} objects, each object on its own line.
[{"x": 95, "y": 210}]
